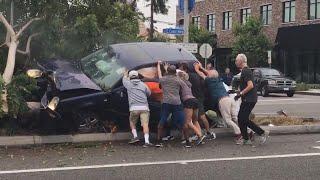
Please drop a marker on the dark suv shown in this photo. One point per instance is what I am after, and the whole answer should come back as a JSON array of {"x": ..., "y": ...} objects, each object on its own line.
[
  {"x": 78, "y": 95},
  {"x": 269, "y": 80}
]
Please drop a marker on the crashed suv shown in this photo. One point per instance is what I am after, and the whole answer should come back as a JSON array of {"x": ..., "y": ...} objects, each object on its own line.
[{"x": 80, "y": 96}]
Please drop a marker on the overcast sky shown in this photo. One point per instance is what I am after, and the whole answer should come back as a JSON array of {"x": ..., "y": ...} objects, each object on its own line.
[{"x": 170, "y": 17}]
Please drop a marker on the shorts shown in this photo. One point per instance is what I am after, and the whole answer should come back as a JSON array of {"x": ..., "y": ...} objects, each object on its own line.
[
  {"x": 191, "y": 103},
  {"x": 177, "y": 114},
  {"x": 143, "y": 115},
  {"x": 201, "y": 106}
]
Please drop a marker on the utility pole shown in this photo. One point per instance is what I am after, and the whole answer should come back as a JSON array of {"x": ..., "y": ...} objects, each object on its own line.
[
  {"x": 11, "y": 13},
  {"x": 151, "y": 31},
  {"x": 186, "y": 21}
]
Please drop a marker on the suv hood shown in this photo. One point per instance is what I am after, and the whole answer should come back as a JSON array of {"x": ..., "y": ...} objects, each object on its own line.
[{"x": 67, "y": 75}]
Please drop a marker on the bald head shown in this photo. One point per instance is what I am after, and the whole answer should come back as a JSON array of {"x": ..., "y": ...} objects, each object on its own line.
[{"x": 213, "y": 74}]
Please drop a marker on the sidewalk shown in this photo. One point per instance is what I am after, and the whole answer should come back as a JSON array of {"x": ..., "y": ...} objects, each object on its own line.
[
  {"x": 313, "y": 92},
  {"x": 100, "y": 137}
]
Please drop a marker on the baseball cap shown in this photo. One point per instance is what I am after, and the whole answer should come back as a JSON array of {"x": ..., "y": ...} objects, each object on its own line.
[{"x": 133, "y": 74}]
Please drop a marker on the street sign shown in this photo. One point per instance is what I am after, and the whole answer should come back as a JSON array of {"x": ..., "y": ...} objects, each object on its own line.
[
  {"x": 191, "y": 4},
  {"x": 175, "y": 31},
  {"x": 205, "y": 50},
  {"x": 191, "y": 47},
  {"x": 269, "y": 57}
]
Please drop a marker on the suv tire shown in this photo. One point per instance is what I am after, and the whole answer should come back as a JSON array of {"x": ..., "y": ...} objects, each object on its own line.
[
  {"x": 87, "y": 121},
  {"x": 290, "y": 94},
  {"x": 264, "y": 91}
]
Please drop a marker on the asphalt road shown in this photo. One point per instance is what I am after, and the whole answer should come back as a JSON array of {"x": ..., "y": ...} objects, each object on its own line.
[
  {"x": 299, "y": 105},
  {"x": 284, "y": 157}
]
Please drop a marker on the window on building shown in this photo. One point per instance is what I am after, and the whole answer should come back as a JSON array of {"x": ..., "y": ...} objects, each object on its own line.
[
  {"x": 211, "y": 22},
  {"x": 314, "y": 9},
  {"x": 227, "y": 20},
  {"x": 245, "y": 14},
  {"x": 266, "y": 14},
  {"x": 289, "y": 11},
  {"x": 196, "y": 21}
]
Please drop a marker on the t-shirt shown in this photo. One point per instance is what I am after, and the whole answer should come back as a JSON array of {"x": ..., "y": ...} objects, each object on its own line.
[
  {"x": 197, "y": 85},
  {"x": 171, "y": 86},
  {"x": 227, "y": 78},
  {"x": 216, "y": 90},
  {"x": 246, "y": 75},
  {"x": 186, "y": 92}
]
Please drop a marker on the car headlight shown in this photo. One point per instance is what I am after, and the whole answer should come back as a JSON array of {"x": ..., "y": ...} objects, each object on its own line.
[
  {"x": 271, "y": 82},
  {"x": 53, "y": 103}
]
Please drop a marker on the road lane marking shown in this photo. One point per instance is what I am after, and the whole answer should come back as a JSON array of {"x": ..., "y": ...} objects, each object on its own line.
[
  {"x": 157, "y": 163},
  {"x": 277, "y": 100},
  {"x": 316, "y": 147},
  {"x": 318, "y": 141}
]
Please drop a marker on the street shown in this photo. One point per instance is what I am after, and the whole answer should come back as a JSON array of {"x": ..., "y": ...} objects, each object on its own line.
[
  {"x": 298, "y": 105},
  {"x": 284, "y": 157}
]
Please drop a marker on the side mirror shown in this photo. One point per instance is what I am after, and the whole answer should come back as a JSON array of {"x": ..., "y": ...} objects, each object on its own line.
[{"x": 34, "y": 73}]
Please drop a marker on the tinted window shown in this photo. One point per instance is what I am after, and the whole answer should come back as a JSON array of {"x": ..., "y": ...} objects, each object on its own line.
[{"x": 270, "y": 72}]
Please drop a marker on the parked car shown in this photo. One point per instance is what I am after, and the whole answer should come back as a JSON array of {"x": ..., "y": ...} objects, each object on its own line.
[
  {"x": 80, "y": 95},
  {"x": 268, "y": 81}
]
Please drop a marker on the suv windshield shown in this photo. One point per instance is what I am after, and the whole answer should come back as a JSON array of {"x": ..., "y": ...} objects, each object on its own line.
[
  {"x": 103, "y": 68},
  {"x": 270, "y": 72}
]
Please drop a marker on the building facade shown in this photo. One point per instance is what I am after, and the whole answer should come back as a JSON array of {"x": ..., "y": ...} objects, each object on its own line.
[{"x": 293, "y": 26}]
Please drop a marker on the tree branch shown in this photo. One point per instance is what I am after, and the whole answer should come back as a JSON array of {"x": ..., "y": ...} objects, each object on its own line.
[
  {"x": 7, "y": 25},
  {"x": 27, "y": 25},
  {"x": 27, "y": 51}
]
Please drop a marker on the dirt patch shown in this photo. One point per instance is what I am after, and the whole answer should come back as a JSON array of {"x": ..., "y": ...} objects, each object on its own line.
[{"x": 284, "y": 121}]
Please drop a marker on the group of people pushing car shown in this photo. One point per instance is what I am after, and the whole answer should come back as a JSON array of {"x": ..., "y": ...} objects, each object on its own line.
[{"x": 183, "y": 98}]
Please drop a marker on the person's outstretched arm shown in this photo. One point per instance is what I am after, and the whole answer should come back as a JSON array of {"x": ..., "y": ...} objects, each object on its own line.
[
  {"x": 198, "y": 70},
  {"x": 125, "y": 79},
  {"x": 159, "y": 69}
]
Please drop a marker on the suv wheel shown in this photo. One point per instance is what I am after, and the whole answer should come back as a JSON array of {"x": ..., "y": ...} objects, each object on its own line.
[
  {"x": 87, "y": 122},
  {"x": 290, "y": 94},
  {"x": 264, "y": 91}
]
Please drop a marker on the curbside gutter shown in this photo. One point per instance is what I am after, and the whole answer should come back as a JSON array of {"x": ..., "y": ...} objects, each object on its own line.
[
  {"x": 100, "y": 137},
  {"x": 310, "y": 93}
]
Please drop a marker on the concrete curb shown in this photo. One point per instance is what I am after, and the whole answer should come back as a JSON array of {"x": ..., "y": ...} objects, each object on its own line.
[
  {"x": 307, "y": 93},
  {"x": 100, "y": 137}
]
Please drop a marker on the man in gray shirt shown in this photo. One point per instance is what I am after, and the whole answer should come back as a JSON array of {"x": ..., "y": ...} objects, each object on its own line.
[
  {"x": 138, "y": 94},
  {"x": 171, "y": 104}
]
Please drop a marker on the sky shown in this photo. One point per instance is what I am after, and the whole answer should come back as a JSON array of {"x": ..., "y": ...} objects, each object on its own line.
[{"x": 170, "y": 18}]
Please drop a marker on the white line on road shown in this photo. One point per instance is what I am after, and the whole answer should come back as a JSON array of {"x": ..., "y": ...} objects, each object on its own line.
[
  {"x": 316, "y": 147},
  {"x": 277, "y": 100},
  {"x": 157, "y": 163}
]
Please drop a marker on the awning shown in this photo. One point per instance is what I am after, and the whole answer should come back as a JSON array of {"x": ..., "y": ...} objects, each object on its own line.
[{"x": 299, "y": 37}]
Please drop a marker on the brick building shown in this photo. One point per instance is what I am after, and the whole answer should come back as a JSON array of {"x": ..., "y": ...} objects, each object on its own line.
[{"x": 293, "y": 27}]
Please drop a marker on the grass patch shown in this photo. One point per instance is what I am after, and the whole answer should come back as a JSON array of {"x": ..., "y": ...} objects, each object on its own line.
[{"x": 282, "y": 121}]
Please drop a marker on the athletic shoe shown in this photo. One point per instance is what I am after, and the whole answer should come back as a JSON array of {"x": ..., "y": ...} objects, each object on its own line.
[
  {"x": 193, "y": 138},
  {"x": 238, "y": 139},
  {"x": 165, "y": 138},
  {"x": 188, "y": 144},
  {"x": 246, "y": 142},
  {"x": 159, "y": 144},
  {"x": 146, "y": 145},
  {"x": 200, "y": 140},
  {"x": 264, "y": 137},
  {"x": 134, "y": 140},
  {"x": 183, "y": 141},
  {"x": 211, "y": 135}
]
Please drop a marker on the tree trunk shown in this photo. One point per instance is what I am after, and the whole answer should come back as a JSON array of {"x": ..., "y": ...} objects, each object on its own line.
[
  {"x": 151, "y": 21},
  {"x": 11, "y": 60}
]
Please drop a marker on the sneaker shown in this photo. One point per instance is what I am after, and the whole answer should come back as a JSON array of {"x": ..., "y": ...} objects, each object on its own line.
[
  {"x": 244, "y": 142},
  {"x": 193, "y": 138},
  {"x": 146, "y": 145},
  {"x": 238, "y": 139},
  {"x": 165, "y": 138},
  {"x": 159, "y": 144},
  {"x": 134, "y": 140},
  {"x": 264, "y": 137},
  {"x": 187, "y": 144},
  {"x": 200, "y": 140},
  {"x": 183, "y": 141},
  {"x": 211, "y": 136}
]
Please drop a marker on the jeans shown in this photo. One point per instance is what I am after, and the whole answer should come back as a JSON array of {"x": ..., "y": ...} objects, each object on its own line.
[
  {"x": 177, "y": 114},
  {"x": 244, "y": 122}
]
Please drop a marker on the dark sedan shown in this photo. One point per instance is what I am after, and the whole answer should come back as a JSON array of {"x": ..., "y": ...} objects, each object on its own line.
[{"x": 79, "y": 96}]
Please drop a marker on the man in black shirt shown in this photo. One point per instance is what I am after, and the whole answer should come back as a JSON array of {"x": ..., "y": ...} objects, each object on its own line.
[{"x": 248, "y": 94}]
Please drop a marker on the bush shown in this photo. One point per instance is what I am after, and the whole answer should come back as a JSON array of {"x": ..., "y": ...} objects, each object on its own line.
[{"x": 306, "y": 87}]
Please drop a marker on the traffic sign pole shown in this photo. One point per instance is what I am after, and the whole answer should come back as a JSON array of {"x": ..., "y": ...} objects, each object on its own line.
[{"x": 186, "y": 22}]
